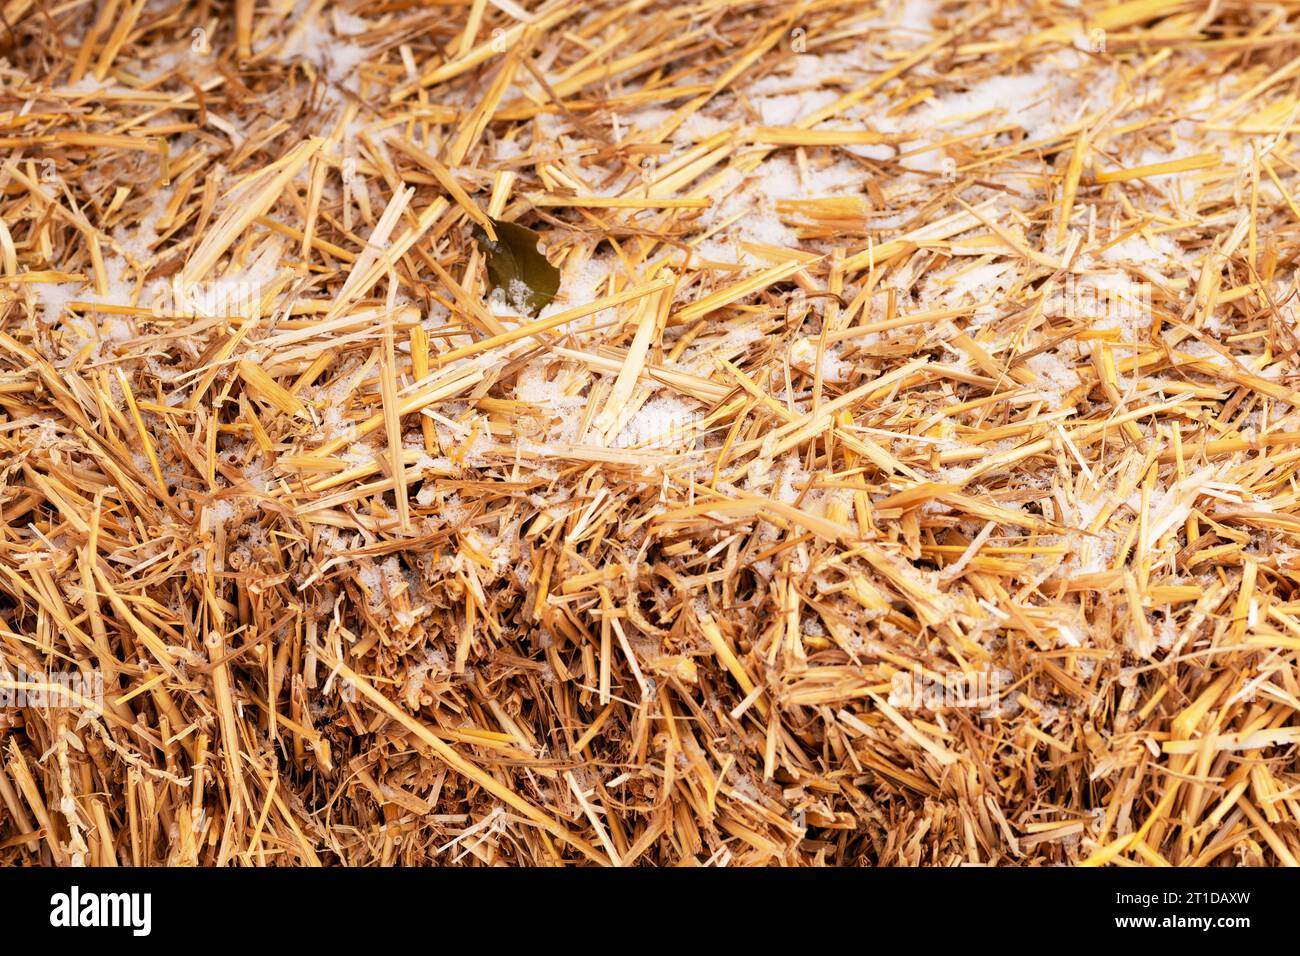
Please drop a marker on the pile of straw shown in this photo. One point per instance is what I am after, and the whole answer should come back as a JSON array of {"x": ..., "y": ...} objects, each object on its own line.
[{"x": 904, "y": 474}]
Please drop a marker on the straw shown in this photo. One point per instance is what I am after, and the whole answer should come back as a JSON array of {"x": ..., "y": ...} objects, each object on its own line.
[{"x": 904, "y": 474}]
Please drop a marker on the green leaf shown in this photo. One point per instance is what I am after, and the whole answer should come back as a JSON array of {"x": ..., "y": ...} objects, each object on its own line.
[{"x": 515, "y": 267}]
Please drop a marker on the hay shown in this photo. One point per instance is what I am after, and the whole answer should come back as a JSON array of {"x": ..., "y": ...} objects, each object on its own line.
[{"x": 904, "y": 475}]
